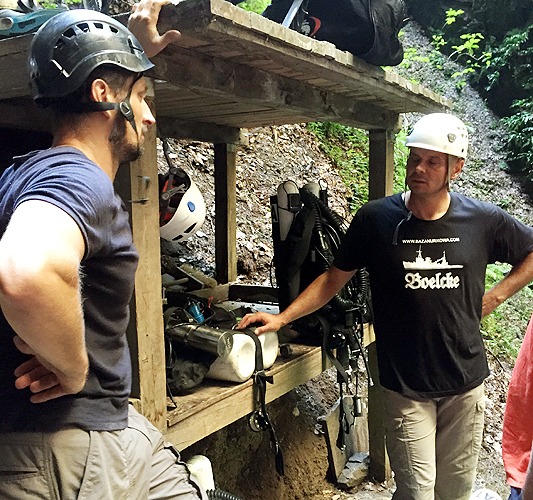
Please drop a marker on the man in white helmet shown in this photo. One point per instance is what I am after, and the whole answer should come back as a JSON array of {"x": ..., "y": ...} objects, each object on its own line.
[{"x": 426, "y": 251}]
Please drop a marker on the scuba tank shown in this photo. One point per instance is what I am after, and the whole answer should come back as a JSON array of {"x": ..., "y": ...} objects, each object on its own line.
[
  {"x": 306, "y": 251},
  {"x": 217, "y": 341},
  {"x": 288, "y": 201}
]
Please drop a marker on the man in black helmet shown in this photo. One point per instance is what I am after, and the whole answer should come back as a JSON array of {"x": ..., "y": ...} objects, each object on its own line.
[{"x": 67, "y": 265}]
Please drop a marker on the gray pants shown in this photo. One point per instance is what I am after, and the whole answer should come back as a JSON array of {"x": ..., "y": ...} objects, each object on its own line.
[
  {"x": 131, "y": 464},
  {"x": 433, "y": 444}
]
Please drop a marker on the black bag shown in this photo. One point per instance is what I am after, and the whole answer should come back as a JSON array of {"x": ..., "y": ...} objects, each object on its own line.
[{"x": 367, "y": 28}]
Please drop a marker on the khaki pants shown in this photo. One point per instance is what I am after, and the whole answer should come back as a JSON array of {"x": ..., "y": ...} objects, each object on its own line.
[
  {"x": 433, "y": 445},
  {"x": 132, "y": 464}
]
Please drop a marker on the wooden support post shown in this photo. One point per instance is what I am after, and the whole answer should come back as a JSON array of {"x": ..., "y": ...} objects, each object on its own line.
[
  {"x": 381, "y": 171},
  {"x": 225, "y": 213},
  {"x": 381, "y": 163},
  {"x": 139, "y": 187},
  {"x": 379, "y": 467}
]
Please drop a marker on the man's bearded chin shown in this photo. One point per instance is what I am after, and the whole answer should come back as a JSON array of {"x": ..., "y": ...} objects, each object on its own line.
[{"x": 124, "y": 150}]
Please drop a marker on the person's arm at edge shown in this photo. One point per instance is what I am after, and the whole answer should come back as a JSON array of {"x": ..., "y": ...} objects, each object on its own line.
[
  {"x": 520, "y": 275},
  {"x": 317, "y": 294},
  {"x": 143, "y": 24},
  {"x": 40, "y": 255},
  {"x": 527, "y": 490}
]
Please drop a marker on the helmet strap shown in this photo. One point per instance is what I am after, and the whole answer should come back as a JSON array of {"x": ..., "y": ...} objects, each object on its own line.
[
  {"x": 123, "y": 106},
  {"x": 450, "y": 166}
]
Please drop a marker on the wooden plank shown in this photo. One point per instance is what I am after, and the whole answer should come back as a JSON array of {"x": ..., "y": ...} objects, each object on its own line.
[
  {"x": 148, "y": 318},
  {"x": 22, "y": 113},
  {"x": 13, "y": 64},
  {"x": 225, "y": 216},
  {"x": 220, "y": 78},
  {"x": 205, "y": 132},
  {"x": 256, "y": 65},
  {"x": 381, "y": 163},
  {"x": 218, "y": 404},
  {"x": 221, "y": 24},
  {"x": 355, "y": 440}
]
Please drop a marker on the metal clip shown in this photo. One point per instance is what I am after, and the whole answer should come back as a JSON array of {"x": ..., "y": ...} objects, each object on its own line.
[{"x": 144, "y": 184}]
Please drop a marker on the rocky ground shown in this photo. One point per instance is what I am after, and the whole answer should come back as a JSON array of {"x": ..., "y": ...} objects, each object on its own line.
[{"x": 291, "y": 153}]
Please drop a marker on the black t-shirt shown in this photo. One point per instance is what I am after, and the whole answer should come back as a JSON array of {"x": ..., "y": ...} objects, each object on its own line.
[
  {"x": 66, "y": 178},
  {"x": 427, "y": 280}
]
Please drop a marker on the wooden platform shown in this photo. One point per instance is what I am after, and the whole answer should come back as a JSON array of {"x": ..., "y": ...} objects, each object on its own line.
[
  {"x": 235, "y": 69},
  {"x": 216, "y": 404}
]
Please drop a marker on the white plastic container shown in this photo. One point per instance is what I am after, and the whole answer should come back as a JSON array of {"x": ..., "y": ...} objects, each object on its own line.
[
  {"x": 201, "y": 471},
  {"x": 239, "y": 365}
]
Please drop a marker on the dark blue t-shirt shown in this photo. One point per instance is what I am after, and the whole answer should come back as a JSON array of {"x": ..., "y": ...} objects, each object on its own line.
[
  {"x": 427, "y": 280},
  {"x": 66, "y": 178}
]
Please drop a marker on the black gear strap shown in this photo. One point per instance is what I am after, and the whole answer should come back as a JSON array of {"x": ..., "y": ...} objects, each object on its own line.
[{"x": 259, "y": 419}]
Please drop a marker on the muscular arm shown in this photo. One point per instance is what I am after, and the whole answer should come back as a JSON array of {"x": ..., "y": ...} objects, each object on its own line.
[
  {"x": 520, "y": 276},
  {"x": 40, "y": 255},
  {"x": 317, "y": 294}
]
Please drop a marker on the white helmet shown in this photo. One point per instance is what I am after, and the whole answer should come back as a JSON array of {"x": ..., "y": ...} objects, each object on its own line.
[
  {"x": 440, "y": 132},
  {"x": 181, "y": 206}
]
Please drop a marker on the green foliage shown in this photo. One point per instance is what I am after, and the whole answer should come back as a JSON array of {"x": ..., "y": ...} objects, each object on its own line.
[
  {"x": 514, "y": 57},
  {"x": 504, "y": 328},
  {"x": 452, "y": 15},
  {"x": 469, "y": 50},
  {"x": 50, "y": 4},
  {"x": 401, "y": 152},
  {"x": 519, "y": 139},
  {"x": 257, "y": 6},
  {"x": 348, "y": 148},
  {"x": 513, "y": 62},
  {"x": 410, "y": 56}
]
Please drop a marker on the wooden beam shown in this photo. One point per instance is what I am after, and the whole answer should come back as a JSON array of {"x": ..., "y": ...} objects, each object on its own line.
[
  {"x": 23, "y": 114},
  {"x": 381, "y": 172},
  {"x": 381, "y": 163},
  {"x": 146, "y": 324},
  {"x": 198, "y": 131},
  {"x": 218, "y": 404},
  {"x": 248, "y": 87},
  {"x": 379, "y": 460},
  {"x": 225, "y": 213}
]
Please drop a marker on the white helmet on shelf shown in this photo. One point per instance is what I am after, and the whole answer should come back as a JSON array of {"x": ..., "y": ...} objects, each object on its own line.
[
  {"x": 181, "y": 206},
  {"x": 440, "y": 132}
]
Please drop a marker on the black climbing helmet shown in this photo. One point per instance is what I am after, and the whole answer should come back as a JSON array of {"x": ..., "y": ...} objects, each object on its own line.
[{"x": 69, "y": 46}]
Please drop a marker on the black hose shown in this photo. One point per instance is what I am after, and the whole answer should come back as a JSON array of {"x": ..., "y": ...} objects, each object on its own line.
[
  {"x": 336, "y": 223},
  {"x": 217, "y": 494},
  {"x": 333, "y": 218}
]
